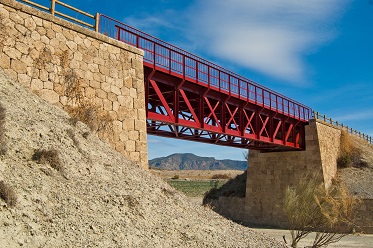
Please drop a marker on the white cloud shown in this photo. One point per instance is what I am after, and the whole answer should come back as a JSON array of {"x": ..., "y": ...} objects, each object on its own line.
[
  {"x": 270, "y": 36},
  {"x": 356, "y": 116}
]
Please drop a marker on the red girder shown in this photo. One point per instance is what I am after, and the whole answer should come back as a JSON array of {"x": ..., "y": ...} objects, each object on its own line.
[
  {"x": 176, "y": 109},
  {"x": 188, "y": 97}
]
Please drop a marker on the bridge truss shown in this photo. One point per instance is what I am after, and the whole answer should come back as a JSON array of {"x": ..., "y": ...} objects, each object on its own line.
[{"x": 190, "y": 98}]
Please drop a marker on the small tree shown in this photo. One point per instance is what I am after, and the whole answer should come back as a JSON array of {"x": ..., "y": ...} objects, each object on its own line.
[{"x": 312, "y": 208}]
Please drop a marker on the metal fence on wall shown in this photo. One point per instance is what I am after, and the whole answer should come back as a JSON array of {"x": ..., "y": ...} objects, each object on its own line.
[
  {"x": 350, "y": 130},
  {"x": 52, "y": 9}
]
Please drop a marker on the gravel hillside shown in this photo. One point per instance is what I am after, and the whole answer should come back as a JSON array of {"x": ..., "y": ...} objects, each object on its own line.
[
  {"x": 359, "y": 180},
  {"x": 99, "y": 199}
]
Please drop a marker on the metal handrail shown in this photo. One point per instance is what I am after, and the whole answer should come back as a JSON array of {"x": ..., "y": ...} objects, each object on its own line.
[
  {"x": 171, "y": 59},
  {"x": 54, "y": 12},
  {"x": 361, "y": 135}
]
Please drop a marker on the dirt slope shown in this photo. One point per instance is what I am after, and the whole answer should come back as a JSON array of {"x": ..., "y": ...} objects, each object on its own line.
[
  {"x": 101, "y": 199},
  {"x": 359, "y": 180}
]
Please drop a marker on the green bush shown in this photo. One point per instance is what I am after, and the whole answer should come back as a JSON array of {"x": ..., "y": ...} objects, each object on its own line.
[{"x": 343, "y": 161}]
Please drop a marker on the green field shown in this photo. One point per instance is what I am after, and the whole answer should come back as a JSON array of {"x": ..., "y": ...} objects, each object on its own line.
[{"x": 195, "y": 188}]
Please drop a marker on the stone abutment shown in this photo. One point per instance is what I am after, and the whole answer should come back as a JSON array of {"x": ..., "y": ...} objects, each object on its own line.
[{"x": 42, "y": 52}]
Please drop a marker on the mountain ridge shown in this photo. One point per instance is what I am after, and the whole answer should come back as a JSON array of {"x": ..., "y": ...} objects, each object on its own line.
[{"x": 190, "y": 161}]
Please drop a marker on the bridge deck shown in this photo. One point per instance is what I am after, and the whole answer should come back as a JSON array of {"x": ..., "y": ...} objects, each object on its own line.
[{"x": 191, "y": 98}]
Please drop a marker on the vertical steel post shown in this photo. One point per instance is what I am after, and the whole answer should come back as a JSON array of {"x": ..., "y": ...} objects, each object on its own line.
[
  {"x": 97, "y": 21},
  {"x": 53, "y": 7}
]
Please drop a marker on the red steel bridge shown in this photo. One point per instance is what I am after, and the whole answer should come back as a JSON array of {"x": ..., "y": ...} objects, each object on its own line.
[{"x": 190, "y": 98}]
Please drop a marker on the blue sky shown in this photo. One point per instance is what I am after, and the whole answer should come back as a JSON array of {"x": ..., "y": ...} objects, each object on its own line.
[{"x": 317, "y": 52}]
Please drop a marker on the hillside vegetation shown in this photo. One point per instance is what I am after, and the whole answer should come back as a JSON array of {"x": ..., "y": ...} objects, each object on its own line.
[{"x": 72, "y": 190}]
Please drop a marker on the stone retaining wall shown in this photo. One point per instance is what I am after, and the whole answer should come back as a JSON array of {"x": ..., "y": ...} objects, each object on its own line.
[
  {"x": 232, "y": 208},
  {"x": 41, "y": 51},
  {"x": 269, "y": 174}
]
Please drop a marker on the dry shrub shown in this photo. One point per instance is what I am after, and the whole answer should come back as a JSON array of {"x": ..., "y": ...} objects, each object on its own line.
[
  {"x": 176, "y": 177},
  {"x": 64, "y": 59},
  {"x": 220, "y": 176},
  {"x": 8, "y": 194},
  {"x": 347, "y": 145},
  {"x": 44, "y": 58},
  {"x": 85, "y": 110},
  {"x": 310, "y": 207},
  {"x": 50, "y": 157},
  {"x": 349, "y": 154}
]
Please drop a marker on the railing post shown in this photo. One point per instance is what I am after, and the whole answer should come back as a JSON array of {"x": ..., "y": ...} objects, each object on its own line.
[
  {"x": 53, "y": 7},
  {"x": 97, "y": 21}
]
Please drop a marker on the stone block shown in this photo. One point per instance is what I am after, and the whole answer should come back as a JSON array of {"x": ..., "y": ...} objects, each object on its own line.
[
  {"x": 128, "y": 82},
  {"x": 141, "y": 146},
  {"x": 59, "y": 88},
  {"x": 128, "y": 124},
  {"x": 48, "y": 85},
  {"x": 104, "y": 70},
  {"x": 90, "y": 92},
  {"x": 49, "y": 95},
  {"x": 72, "y": 45},
  {"x": 116, "y": 106},
  {"x": 98, "y": 77},
  {"x": 125, "y": 101},
  {"x": 38, "y": 21},
  {"x": 101, "y": 94},
  {"x": 37, "y": 84},
  {"x": 4, "y": 14},
  {"x": 119, "y": 146},
  {"x": 130, "y": 146},
  {"x": 142, "y": 135},
  {"x": 140, "y": 125},
  {"x": 4, "y": 61},
  {"x": 12, "y": 53},
  {"x": 134, "y": 156},
  {"x": 133, "y": 135},
  {"x": 30, "y": 24},
  {"x": 112, "y": 97},
  {"x": 107, "y": 104},
  {"x": 115, "y": 90},
  {"x": 14, "y": 16}
]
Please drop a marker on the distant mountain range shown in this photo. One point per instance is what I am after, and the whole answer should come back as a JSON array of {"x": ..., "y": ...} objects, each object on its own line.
[{"x": 189, "y": 161}]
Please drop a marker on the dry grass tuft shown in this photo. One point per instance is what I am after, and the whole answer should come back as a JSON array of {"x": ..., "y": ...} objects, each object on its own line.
[
  {"x": 85, "y": 110},
  {"x": 50, "y": 157},
  {"x": 44, "y": 58},
  {"x": 349, "y": 154},
  {"x": 347, "y": 145},
  {"x": 328, "y": 212},
  {"x": 8, "y": 194},
  {"x": 220, "y": 176},
  {"x": 176, "y": 176}
]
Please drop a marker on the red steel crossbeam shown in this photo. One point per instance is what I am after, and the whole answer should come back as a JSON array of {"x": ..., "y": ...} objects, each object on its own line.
[
  {"x": 179, "y": 109},
  {"x": 191, "y": 98}
]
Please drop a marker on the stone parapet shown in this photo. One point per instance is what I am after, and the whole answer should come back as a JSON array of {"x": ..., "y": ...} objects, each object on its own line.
[{"x": 41, "y": 51}]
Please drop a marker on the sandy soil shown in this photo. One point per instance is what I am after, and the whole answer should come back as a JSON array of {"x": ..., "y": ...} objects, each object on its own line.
[{"x": 101, "y": 199}]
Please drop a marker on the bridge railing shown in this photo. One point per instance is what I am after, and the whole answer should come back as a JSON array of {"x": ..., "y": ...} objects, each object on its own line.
[
  {"x": 93, "y": 24},
  {"x": 170, "y": 59},
  {"x": 361, "y": 135}
]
